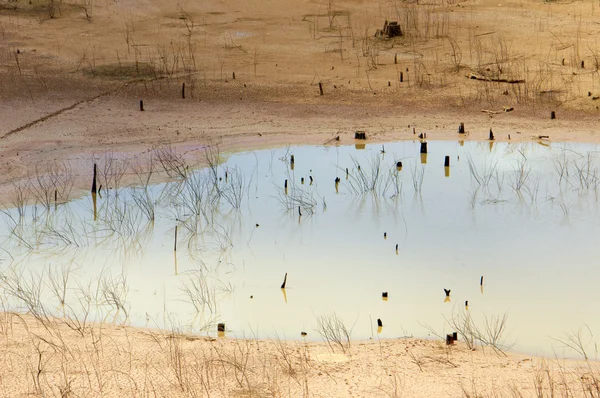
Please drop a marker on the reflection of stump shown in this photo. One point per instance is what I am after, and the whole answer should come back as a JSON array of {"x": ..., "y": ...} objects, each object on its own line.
[{"x": 423, "y": 147}]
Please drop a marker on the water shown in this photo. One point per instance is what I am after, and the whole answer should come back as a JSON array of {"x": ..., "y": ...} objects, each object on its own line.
[{"x": 532, "y": 234}]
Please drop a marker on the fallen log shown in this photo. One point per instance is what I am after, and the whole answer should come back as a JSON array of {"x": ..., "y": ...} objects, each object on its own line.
[{"x": 474, "y": 76}]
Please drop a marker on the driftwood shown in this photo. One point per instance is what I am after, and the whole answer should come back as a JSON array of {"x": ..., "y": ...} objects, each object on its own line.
[
  {"x": 506, "y": 109},
  {"x": 475, "y": 76}
]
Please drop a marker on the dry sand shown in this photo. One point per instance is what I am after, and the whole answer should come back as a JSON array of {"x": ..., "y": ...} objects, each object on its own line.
[
  {"x": 54, "y": 360},
  {"x": 71, "y": 77}
]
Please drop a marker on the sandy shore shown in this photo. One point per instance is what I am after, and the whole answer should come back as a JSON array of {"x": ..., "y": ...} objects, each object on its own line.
[{"x": 48, "y": 358}]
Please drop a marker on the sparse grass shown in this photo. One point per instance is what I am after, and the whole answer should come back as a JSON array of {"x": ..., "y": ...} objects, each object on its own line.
[{"x": 335, "y": 333}]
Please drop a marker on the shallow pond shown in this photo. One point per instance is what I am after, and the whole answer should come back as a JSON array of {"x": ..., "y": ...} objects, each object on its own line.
[{"x": 524, "y": 216}]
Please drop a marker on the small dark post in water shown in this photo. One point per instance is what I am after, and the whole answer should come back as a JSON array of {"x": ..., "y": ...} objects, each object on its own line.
[
  {"x": 423, "y": 147},
  {"x": 226, "y": 176},
  {"x": 384, "y": 294},
  {"x": 461, "y": 128},
  {"x": 401, "y": 77},
  {"x": 346, "y": 173},
  {"x": 385, "y": 235},
  {"x": 55, "y": 196},
  {"x": 447, "y": 291},
  {"x": 221, "y": 327},
  {"x": 175, "y": 244},
  {"x": 233, "y": 75},
  {"x": 552, "y": 115},
  {"x": 379, "y": 323},
  {"x": 396, "y": 247},
  {"x": 481, "y": 281},
  {"x": 311, "y": 179},
  {"x": 183, "y": 90},
  {"x": 447, "y": 161},
  {"x": 467, "y": 303},
  {"x": 320, "y": 88},
  {"x": 284, "y": 281},
  {"x": 292, "y": 159},
  {"x": 94, "y": 180},
  {"x": 299, "y": 211},
  {"x": 285, "y": 184},
  {"x": 302, "y": 180},
  {"x": 141, "y": 105},
  {"x": 398, "y": 165},
  {"x": 491, "y": 135}
]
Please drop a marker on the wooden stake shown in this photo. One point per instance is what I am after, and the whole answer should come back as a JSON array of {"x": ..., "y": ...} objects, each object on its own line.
[
  {"x": 141, "y": 105},
  {"x": 320, "y": 88},
  {"x": 183, "y": 90},
  {"x": 233, "y": 75},
  {"x": 447, "y": 161},
  {"x": 175, "y": 244},
  {"x": 284, "y": 281},
  {"x": 94, "y": 180}
]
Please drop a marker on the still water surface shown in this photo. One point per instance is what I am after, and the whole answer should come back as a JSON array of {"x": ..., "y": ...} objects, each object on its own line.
[{"x": 500, "y": 211}]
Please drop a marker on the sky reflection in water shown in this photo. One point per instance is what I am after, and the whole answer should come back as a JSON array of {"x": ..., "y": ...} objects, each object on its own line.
[{"x": 536, "y": 246}]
